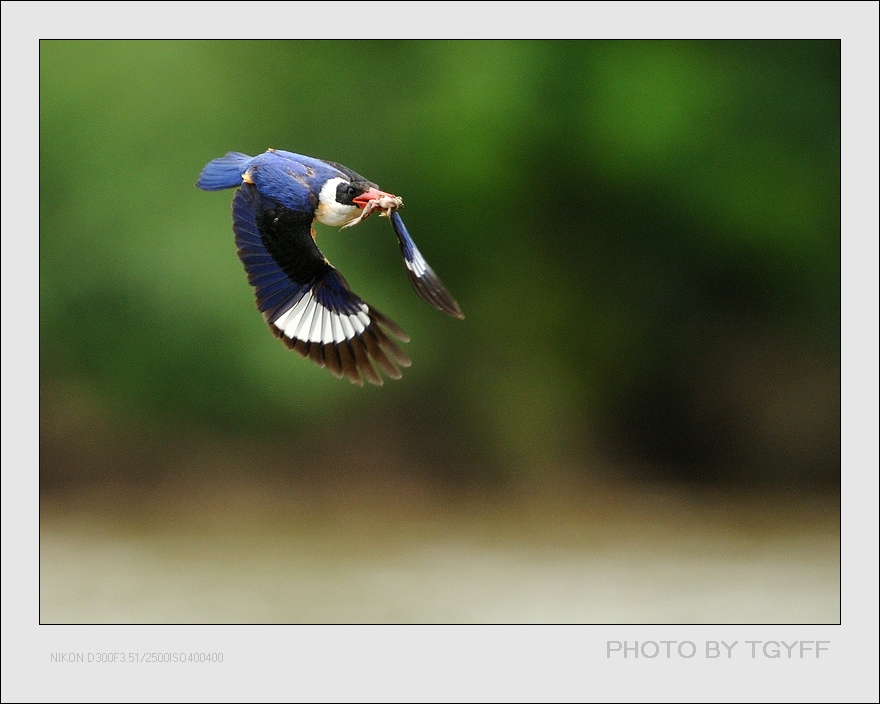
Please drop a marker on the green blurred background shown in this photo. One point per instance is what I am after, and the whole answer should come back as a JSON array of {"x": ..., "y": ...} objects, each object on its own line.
[{"x": 644, "y": 238}]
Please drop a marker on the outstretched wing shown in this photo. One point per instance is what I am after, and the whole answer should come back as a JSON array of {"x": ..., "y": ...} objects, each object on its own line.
[
  {"x": 426, "y": 283},
  {"x": 306, "y": 302}
]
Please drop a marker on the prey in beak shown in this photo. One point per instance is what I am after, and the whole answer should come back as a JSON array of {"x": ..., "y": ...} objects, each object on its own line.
[{"x": 374, "y": 199}]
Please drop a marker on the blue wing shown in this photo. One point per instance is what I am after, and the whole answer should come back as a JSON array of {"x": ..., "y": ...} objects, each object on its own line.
[
  {"x": 426, "y": 283},
  {"x": 306, "y": 302}
]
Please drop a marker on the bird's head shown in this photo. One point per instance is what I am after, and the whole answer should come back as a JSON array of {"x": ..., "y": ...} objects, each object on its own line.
[{"x": 342, "y": 202}]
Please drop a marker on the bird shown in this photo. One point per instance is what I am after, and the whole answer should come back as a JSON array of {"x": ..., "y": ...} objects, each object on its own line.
[{"x": 306, "y": 302}]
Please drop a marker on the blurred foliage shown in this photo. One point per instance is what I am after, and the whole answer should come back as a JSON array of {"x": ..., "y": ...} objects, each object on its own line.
[{"x": 644, "y": 237}]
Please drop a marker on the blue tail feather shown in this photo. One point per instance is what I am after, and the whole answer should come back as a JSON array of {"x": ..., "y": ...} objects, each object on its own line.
[{"x": 224, "y": 172}]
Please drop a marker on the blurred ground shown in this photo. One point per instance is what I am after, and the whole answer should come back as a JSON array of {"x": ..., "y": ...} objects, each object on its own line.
[
  {"x": 228, "y": 544},
  {"x": 250, "y": 556}
]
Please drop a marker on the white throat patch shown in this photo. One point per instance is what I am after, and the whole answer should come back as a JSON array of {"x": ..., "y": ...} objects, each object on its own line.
[{"x": 330, "y": 212}]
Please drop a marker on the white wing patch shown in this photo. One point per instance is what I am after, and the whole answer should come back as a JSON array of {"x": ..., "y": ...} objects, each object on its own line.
[
  {"x": 418, "y": 265},
  {"x": 309, "y": 321}
]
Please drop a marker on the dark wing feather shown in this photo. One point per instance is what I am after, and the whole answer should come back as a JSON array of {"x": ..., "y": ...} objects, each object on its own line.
[
  {"x": 306, "y": 302},
  {"x": 426, "y": 283}
]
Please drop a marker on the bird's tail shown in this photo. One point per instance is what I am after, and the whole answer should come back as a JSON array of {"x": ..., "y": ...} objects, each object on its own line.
[{"x": 224, "y": 172}]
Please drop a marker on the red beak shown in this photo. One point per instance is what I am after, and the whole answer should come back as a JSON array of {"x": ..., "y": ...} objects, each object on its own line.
[{"x": 365, "y": 197}]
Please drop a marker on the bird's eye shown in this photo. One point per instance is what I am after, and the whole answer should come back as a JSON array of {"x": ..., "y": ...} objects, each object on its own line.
[{"x": 346, "y": 192}]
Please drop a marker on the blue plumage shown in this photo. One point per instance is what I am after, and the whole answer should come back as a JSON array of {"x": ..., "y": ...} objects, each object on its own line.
[
  {"x": 224, "y": 172},
  {"x": 307, "y": 302},
  {"x": 426, "y": 283}
]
